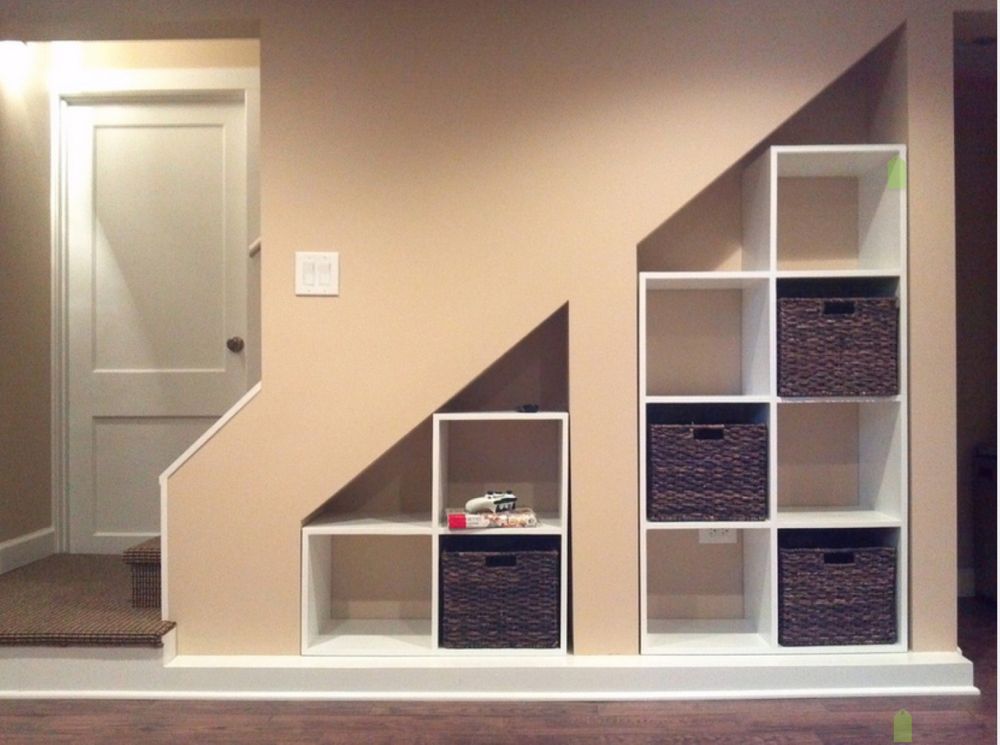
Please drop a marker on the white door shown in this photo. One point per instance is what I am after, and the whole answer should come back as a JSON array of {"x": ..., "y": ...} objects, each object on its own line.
[{"x": 156, "y": 235}]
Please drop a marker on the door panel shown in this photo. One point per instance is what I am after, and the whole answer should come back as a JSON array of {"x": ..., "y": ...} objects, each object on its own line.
[
  {"x": 156, "y": 197},
  {"x": 160, "y": 229}
]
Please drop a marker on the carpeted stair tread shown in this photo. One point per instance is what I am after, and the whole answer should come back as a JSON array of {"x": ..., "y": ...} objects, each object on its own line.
[
  {"x": 75, "y": 600},
  {"x": 147, "y": 552},
  {"x": 144, "y": 562}
]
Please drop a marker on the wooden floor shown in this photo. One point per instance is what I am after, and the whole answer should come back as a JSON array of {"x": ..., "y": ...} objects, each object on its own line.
[{"x": 958, "y": 720}]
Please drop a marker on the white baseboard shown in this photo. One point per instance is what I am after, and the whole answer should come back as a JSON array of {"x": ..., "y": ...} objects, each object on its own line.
[
  {"x": 966, "y": 582},
  {"x": 142, "y": 674},
  {"x": 27, "y": 548}
]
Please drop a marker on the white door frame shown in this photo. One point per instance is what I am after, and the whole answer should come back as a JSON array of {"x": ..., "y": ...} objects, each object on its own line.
[{"x": 103, "y": 86}]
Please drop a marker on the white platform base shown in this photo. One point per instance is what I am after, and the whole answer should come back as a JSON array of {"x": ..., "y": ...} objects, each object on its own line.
[{"x": 101, "y": 673}]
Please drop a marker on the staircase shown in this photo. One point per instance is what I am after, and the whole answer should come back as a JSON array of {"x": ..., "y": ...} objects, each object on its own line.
[
  {"x": 144, "y": 562},
  {"x": 82, "y": 600}
]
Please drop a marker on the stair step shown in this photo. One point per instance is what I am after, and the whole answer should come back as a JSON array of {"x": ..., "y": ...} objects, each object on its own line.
[
  {"x": 74, "y": 600},
  {"x": 144, "y": 561}
]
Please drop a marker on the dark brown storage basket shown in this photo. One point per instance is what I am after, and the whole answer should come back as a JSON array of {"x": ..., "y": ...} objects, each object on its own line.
[
  {"x": 707, "y": 472},
  {"x": 836, "y": 596},
  {"x": 500, "y": 598},
  {"x": 838, "y": 346}
]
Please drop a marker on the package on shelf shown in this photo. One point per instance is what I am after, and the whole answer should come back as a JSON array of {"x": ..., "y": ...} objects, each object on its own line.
[{"x": 523, "y": 517}]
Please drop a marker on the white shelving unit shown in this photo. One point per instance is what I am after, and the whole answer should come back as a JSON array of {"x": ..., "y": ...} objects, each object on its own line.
[
  {"x": 370, "y": 584},
  {"x": 708, "y": 342}
]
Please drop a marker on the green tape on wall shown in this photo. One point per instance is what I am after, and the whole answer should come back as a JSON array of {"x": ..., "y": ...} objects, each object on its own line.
[
  {"x": 897, "y": 174},
  {"x": 902, "y": 727}
]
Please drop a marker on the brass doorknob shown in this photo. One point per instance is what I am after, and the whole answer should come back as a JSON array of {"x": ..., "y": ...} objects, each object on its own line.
[{"x": 235, "y": 344}]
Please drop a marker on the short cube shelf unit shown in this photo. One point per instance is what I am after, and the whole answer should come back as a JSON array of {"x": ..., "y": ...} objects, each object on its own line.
[
  {"x": 375, "y": 584},
  {"x": 824, "y": 222}
]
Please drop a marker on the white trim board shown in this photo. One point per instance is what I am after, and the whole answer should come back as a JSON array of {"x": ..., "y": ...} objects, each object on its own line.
[
  {"x": 27, "y": 548},
  {"x": 141, "y": 674}
]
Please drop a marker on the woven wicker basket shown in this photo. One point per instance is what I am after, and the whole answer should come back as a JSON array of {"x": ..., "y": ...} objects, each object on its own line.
[
  {"x": 836, "y": 596},
  {"x": 714, "y": 472},
  {"x": 838, "y": 346},
  {"x": 499, "y": 599}
]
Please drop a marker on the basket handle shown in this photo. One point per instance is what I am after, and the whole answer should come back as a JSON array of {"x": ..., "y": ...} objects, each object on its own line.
[
  {"x": 838, "y": 308},
  {"x": 708, "y": 433},
  {"x": 503, "y": 560},
  {"x": 839, "y": 557}
]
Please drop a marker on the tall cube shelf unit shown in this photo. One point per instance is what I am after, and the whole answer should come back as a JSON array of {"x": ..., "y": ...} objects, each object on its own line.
[
  {"x": 828, "y": 215},
  {"x": 370, "y": 581}
]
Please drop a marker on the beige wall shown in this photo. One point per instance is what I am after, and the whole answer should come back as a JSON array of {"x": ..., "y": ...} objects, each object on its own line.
[
  {"x": 442, "y": 167},
  {"x": 25, "y": 252},
  {"x": 25, "y": 455},
  {"x": 450, "y": 149},
  {"x": 445, "y": 167}
]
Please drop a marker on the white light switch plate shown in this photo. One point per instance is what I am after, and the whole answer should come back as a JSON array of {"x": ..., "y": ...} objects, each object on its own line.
[{"x": 317, "y": 273}]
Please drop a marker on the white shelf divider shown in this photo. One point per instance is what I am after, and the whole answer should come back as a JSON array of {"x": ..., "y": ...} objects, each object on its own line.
[
  {"x": 752, "y": 399},
  {"x": 373, "y": 638},
  {"x": 374, "y": 524}
]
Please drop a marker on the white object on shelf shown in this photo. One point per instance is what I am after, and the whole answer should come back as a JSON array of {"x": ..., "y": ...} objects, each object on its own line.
[{"x": 726, "y": 320}]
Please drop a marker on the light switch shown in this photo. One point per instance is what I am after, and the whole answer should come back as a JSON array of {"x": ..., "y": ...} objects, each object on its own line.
[{"x": 317, "y": 273}]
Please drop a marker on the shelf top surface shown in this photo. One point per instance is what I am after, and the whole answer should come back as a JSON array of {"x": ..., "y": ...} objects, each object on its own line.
[
  {"x": 668, "y": 636},
  {"x": 820, "y": 517},
  {"x": 834, "y": 161},
  {"x": 372, "y": 637},
  {"x": 887, "y": 272},
  {"x": 839, "y": 399},
  {"x": 494, "y": 416},
  {"x": 725, "y": 280},
  {"x": 707, "y": 524},
  {"x": 371, "y": 523},
  {"x": 734, "y": 399}
]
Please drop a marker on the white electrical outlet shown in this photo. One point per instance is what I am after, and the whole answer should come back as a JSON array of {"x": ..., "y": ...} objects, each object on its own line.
[{"x": 717, "y": 535}]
